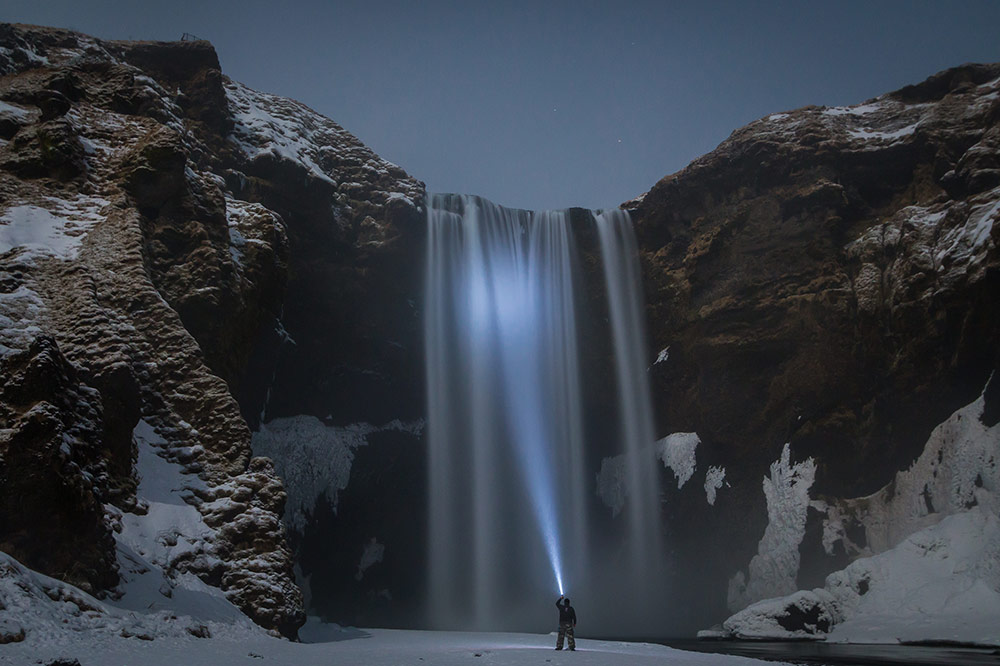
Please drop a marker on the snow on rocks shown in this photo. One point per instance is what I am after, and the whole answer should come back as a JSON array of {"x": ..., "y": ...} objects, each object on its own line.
[
  {"x": 677, "y": 452},
  {"x": 935, "y": 249},
  {"x": 20, "y": 312},
  {"x": 372, "y": 554},
  {"x": 773, "y": 569},
  {"x": 55, "y": 228},
  {"x": 804, "y": 614},
  {"x": 939, "y": 584},
  {"x": 958, "y": 469},
  {"x": 314, "y": 459},
  {"x": 715, "y": 477},
  {"x": 892, "y": 135},
  {"x": 250, "y": 224},
  {"x": 930, "y": 560},
  {"x": 268, "y": 124},
  {"x": 170, "y": 530},
  {"x": 271, "y": 124},
  {"x": 858, "y": 110},
  {"x": 42, "y": 613}
]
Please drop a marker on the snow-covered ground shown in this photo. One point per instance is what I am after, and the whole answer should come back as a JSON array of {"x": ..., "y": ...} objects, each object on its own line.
[
  {"x": 348, "y": 647},
  {"x": 43, "y": 620}
]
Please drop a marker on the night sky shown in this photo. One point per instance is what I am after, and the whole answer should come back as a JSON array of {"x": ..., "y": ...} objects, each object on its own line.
[{"x": 551, "y": 104}]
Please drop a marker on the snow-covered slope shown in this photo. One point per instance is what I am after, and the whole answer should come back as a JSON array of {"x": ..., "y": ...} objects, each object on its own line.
[
  {"x": 933, "y": 543},
  {"x": 43, "y": 620},
  {"x": 940, "y": 584}
]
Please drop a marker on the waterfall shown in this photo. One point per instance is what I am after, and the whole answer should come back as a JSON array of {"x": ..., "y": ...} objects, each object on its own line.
[
  {"x": 511, "y": 487},
  {"x": 624, "y": 286}
]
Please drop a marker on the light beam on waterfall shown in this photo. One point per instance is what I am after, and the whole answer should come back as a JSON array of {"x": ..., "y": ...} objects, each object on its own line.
[{"x": 510, "y": 485}]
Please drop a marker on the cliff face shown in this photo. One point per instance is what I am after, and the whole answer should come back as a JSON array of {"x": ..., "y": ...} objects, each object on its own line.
[
  {"x": 826, "y": 278},
  {"x": 155, "y": 220}
]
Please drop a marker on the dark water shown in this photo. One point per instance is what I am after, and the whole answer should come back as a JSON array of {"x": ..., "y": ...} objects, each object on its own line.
[{"x": 842, "y": 654}]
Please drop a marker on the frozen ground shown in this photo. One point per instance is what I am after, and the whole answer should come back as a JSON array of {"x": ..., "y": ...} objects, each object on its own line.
[{"x": 347, "y": 647}]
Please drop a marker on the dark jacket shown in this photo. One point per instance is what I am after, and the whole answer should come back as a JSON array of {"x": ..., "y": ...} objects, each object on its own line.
[{"x": 566, "y": 613}]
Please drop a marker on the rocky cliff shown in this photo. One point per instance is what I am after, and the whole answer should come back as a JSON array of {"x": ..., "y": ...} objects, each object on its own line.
[
  {"x": 825, "y": 281},
  {"x": 155, "y": 221}
]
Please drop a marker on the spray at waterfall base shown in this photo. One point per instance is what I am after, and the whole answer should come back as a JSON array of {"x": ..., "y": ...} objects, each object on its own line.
[{"x": 514, "y": 512}]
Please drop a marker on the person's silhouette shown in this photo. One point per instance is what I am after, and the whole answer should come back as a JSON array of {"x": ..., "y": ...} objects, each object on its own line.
[{"x": 567, "y": 623}]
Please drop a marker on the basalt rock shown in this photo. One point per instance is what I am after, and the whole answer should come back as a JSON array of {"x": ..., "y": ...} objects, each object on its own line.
[{"x": 49, "y": 149}]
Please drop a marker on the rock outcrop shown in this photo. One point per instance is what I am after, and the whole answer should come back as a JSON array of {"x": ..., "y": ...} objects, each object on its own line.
[
  {"x": 827, "y": 278},
  {"x": 181, "y": 249}
]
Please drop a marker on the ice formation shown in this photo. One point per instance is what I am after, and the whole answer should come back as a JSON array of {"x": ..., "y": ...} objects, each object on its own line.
[
  {"x": 314, "y": 459},
  {"x": 773, "y": 569},
  {"x": 714, "y": 478},
  {"x": 677, "y": 452}
]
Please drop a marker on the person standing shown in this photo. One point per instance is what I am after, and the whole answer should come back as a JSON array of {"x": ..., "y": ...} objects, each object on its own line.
[{"x": 567, "y": 623}]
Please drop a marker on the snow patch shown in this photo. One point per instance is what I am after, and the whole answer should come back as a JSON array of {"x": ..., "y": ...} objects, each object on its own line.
[
  {"x": 714, "y": 478},
  {"x": 968, "y": 242},
  {"x": 270, "y": 124},
  {"x": 677, "y": 452},
  {"x": 168, "y": 537},
  {"x": 869, "y": 135},
  {"x": 11, "y": 111},
  {"x": 240, "y": 217},
  {"x": 861, "y": 110},
  {"x": 56, "y": 230}
]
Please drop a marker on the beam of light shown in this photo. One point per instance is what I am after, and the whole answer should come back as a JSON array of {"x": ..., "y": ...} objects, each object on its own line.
[
  {"x": 514, "y": 302},
  {"x": 502, "y": 382}
]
